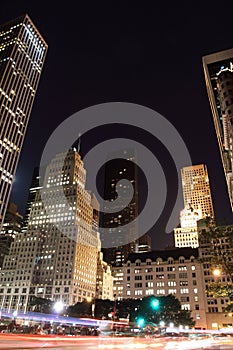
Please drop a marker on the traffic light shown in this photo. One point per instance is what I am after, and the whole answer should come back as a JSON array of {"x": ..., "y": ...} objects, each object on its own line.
[
  {"x": 140, "y": 321},
  {"x": 155, "y": 304}
]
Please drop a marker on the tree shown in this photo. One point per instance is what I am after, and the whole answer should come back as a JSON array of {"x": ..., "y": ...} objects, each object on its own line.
[
  {"x": 38, "y": 304},
  {"x": 168, "y": 309},
  {"x": 103, "y": 308},
  {"x": 217, "y": 243},
  {"x": 80, "y": 309},
  {"x": 127, "y": 308},
  {"x": 84, "y": 308}
]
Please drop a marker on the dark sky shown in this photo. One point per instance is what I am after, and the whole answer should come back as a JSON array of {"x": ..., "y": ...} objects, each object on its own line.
[{"x": 149, "y": 55}]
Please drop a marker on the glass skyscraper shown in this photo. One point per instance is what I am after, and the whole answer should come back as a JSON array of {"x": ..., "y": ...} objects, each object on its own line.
[
  {"x": 218, "y": 70},
  {"x": 22, "y": 55}
]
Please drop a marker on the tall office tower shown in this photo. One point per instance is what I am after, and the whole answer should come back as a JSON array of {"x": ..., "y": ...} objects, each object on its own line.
[
  {"x": 121, "y": 167},
  {"x": 22, "y": 55},
  {"x": 34, "y": 188},
  {"x": 10, "y": 229},
  {"x": 218, "y": 71},
  {"x": 96, "y": 212},
  {"x": 196, "y": 189},
  {"x": 56, "y": 258}
]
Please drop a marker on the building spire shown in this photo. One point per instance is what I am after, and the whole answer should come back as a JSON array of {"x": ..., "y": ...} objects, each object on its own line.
[{"x": 79, "y": 143}]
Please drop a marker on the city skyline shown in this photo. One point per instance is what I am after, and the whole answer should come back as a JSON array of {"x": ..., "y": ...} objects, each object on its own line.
[{"x": 92, "y": 80}]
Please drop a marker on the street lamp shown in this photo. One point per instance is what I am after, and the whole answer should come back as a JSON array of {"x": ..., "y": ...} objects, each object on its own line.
[
  {"x": 89, "y": 300},
  {"x": 217, "y": 272},
  {"x": 162, "y": 323},
  {"x": 58, "y": 306},
  {"x": 15, "y": 313}
]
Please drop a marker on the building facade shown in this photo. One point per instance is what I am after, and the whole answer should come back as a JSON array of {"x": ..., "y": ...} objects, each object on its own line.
[
  {"x": 35, "y": 186},
  {"x": 10, "y": 229},
  {"x": 216, "y": 315},
  {"x": 122, "y": 166},
  {"x": 22, "y": 56},
  {"x": 177, "y": 272},
  {"x": 56, "y": 258},
  {"x": 196, "y": 189},
  {"x": 104, "y": 280},
  {"x": 186, "y": 235},
  {"x": 218, "y": 72},
  {"x": 118, "y": 282}
]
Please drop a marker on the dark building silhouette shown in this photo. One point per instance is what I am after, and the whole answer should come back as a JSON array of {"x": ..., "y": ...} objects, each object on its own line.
[
  {"x": 11, "y": 227},
  {"x": 124, "y": 240}
]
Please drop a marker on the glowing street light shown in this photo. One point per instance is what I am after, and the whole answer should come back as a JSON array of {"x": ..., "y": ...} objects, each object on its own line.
[
  {"x": 217, "y": 272},
  {"x": 58, "y": 306},
  {"x": 92, "y": 300},
  {"x": 162, "y": 323}
]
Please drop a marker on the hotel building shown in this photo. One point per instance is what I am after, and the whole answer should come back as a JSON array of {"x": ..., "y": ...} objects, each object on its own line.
[
  {"x": 22, "y": 56},
  {"x": 177, "y": 272}
]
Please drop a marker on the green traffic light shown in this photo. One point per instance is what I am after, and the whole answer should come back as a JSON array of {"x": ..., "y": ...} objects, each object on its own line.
[
  {"x": 140, "y": 322},
  {"x": 155, "y": 304}
]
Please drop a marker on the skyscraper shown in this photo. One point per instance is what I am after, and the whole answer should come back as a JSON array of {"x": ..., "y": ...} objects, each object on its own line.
[
  {"x": 22, "y": 55},
  {"x": 196, "y": 189},
  {"x": 123, "y": 241},
  {"x": 34, "y": 188},
  {"x": 218, "y": 71},
  {"x": 56, "y": 258}
]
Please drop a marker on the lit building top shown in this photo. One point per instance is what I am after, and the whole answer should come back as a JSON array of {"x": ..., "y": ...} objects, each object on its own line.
[
  {"x": 196, "y": 188},
  {"x": 189, "y": 216}
]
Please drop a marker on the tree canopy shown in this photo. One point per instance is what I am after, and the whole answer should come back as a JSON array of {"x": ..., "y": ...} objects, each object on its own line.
[
  {"x": 217, "y": 241},
  {"x": 151, "y": 309}
]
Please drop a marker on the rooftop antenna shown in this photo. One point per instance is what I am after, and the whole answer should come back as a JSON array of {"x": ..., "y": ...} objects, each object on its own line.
[{"x": 79, "y": 143}]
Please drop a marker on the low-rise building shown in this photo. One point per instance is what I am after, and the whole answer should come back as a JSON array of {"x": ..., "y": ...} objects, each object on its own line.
[{"x": 177, "y": 272}]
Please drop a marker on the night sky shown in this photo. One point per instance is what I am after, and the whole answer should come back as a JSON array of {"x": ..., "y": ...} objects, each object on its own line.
[{"x": 149, "y": 55}]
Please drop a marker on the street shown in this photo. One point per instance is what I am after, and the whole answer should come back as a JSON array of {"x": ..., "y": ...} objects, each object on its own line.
[{"x": 16, "y": 341}]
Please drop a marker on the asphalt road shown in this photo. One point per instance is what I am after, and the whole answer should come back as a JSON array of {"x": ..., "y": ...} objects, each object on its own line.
[{"x": 27, "y": 342}]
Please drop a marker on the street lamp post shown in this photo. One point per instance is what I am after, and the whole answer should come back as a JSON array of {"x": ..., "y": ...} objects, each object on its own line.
[
  {"x": 15, "y": 313},
  {"x": 92, "y": 300},
  {"x": 58, "y": 306}
]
